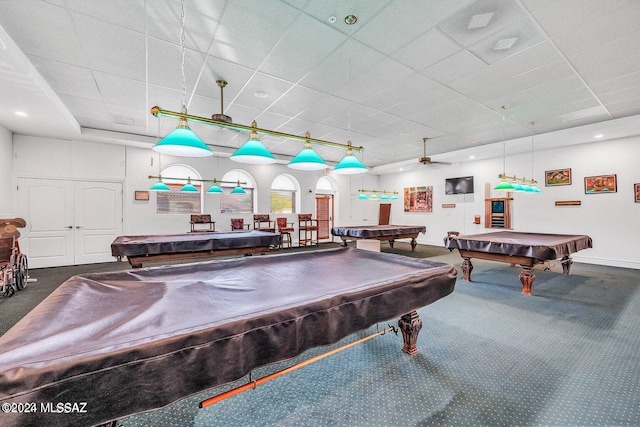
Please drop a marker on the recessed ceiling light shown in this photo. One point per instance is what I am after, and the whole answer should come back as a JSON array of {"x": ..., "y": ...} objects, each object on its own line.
[
  {"x": 261, "y": 94},
  {"x": 472, "y": 156},
  {"x": 21, "y": 114},
  {"x": 598, "y": 135},
  {"x": 480, "y": 20},
  {"x": 505, "y": 43},
  {"x": 401, "y": 169}
]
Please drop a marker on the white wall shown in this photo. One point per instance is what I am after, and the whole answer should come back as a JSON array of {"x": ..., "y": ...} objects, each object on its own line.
[
  {"x": 6, "y": 206},
  {"x": 610, "y": 219}
]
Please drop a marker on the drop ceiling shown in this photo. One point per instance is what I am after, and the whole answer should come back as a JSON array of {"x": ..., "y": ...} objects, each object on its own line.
[{"x": 92, "y": 70}]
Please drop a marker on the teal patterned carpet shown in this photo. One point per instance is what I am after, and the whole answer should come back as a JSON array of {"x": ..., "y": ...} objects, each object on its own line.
[{"x": 489, "y": 356}]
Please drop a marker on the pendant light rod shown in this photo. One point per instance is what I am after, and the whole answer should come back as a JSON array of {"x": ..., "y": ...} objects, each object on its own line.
[
  {"x": 157, "y": 111},
  {"x": 515, "y": 178},
  {"x": 378, "y": 191},
  {"x": 214, "y": 180}
]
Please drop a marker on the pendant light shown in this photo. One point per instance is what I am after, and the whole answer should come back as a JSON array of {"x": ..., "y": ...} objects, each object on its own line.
[
  {"x": 189, "y": 187},
  {"x": 253, "y": 151},
  {"x": 160, "y": 186},
  {"x": 504, "y": 185},
  {"x": 182, "y": 141},
  {"x": 349, "y": 165},
  {"x": 307, "y": 159},
  {"x": 238, "y": 189},
  {"x": 215, "y": 188}
]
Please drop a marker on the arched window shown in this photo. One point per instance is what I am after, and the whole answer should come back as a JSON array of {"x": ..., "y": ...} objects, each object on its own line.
[
  {"x": 284, "y": 194},
  {"x": 176, "y": 201},
  {"x": 236, "y": 202},
  {"x": 325, "y": 186}
]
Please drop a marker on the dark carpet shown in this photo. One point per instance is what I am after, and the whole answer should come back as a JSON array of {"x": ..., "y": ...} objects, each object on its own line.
[{"x": 489, "y": 356}]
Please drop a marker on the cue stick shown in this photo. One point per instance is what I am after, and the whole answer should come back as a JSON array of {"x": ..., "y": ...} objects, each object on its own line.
[{"x": 253, "y": 384}]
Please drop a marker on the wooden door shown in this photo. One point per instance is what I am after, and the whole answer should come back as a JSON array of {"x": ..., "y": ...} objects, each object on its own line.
[
  {"x": 385, "y": 214},
  {"x": 324, "y": 215}
]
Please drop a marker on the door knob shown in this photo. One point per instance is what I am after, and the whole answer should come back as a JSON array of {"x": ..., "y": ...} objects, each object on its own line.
[
  {"x": 78, "y": 227},
  {"x": 69, "y": 226}
]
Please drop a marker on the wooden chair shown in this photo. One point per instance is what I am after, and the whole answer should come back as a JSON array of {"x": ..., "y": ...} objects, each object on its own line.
[
  {"x": 306, "y": 229},
  {"x": 202, "y": 219},
  {"x": 262, "y": 222},
  {"x": 284, "y": 230},
  {"x": 238, "y": 224}
]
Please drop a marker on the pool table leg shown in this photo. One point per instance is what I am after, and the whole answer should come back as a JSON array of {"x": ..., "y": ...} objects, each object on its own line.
[
  {"x": 410, "y": 325},
  {"x": 413, "y": 244},
  {"x": 466, "y": 268},
  {"x": 391, "y": 241},
  {"x": 527, "y": 278},
  {"x": 566, "y": 264}
]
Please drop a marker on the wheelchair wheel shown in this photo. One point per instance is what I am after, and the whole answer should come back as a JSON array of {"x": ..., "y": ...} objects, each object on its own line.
[
  {"x": 8, "y": 291},
  {"x": 22, "y": 272}
]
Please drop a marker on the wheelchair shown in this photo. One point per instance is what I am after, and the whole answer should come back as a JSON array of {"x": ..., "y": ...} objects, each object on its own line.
[{"x": 14, "y": 268}]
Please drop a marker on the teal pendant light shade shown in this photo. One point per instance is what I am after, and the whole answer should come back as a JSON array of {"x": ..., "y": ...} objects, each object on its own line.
[
  {"x": 215, "y": 188},
  {"x": 362, "y": 196},
  {"x": 253, "y": 151},
  {"x": 307, "y": 159},
  {"x": 182, "y": 142},
  {"x": 374, "y": 196},
  {"x": 189, "y": 187},
  {"x": 349, "y": 165},
  {"x": 384, "y": 197},
  {"x": 535, "y": 189},
  {"x": 394, "y": 197},
  {"x": 160, "y": 186},
  {"x": 238, "y": 190},
  {"x": 504, "y": 185}
]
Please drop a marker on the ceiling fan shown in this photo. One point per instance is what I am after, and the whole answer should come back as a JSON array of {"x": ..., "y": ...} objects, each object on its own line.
[{"x": 425, "y": 160}]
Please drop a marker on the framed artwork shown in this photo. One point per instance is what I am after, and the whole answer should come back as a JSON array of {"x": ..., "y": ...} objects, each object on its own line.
[
  {"x": 418, "y": 199},
  {"x": 600, "y": 184},
  {"x": 142, "y": 195},
  {"x": 557, "y": 177},
  {"x": 636, "y": 191}
]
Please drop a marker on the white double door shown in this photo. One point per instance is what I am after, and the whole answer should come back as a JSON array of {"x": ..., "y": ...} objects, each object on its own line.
[{"x": 69, "y": 222}]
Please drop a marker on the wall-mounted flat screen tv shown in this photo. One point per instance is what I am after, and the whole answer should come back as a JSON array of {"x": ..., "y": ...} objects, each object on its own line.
[{"x": 460, "y": 185}]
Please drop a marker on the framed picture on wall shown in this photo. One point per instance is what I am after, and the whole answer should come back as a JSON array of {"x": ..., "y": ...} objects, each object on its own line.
[
  {"x": 557, "y": 177},
  {"x": 418, "y": 199},
  {"x": 600, "y": 184},
  {"x": 636, "y": 191},
  {"x": 141, "y": 195}
]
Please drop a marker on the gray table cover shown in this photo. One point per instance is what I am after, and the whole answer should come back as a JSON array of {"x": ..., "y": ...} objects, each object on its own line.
[
  {"x": 136, "y": 340},
  {"x": 375, "y": 231},
  {"x": 534, "y": 245},
  {"x": 191, "y": 242}
]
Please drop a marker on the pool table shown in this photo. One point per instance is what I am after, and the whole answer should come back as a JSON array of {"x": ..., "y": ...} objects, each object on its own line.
[
  {"x": 380, "y": 232},
  {"x": 156, "y": 248},
  {"x": 524, "y": 249},
  {"x": 131, "y": 341}
]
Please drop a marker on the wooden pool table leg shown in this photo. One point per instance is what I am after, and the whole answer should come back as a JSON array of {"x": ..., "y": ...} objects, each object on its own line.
[
  {"x": 527, "y": 278},
  {"x": 391, "y": 241},
  {"x": 566, "y": 264},
  {"x": 410, "y": 325},
  {"x": 466, "y": 268},
  {"x": 413, "y": 244}
]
